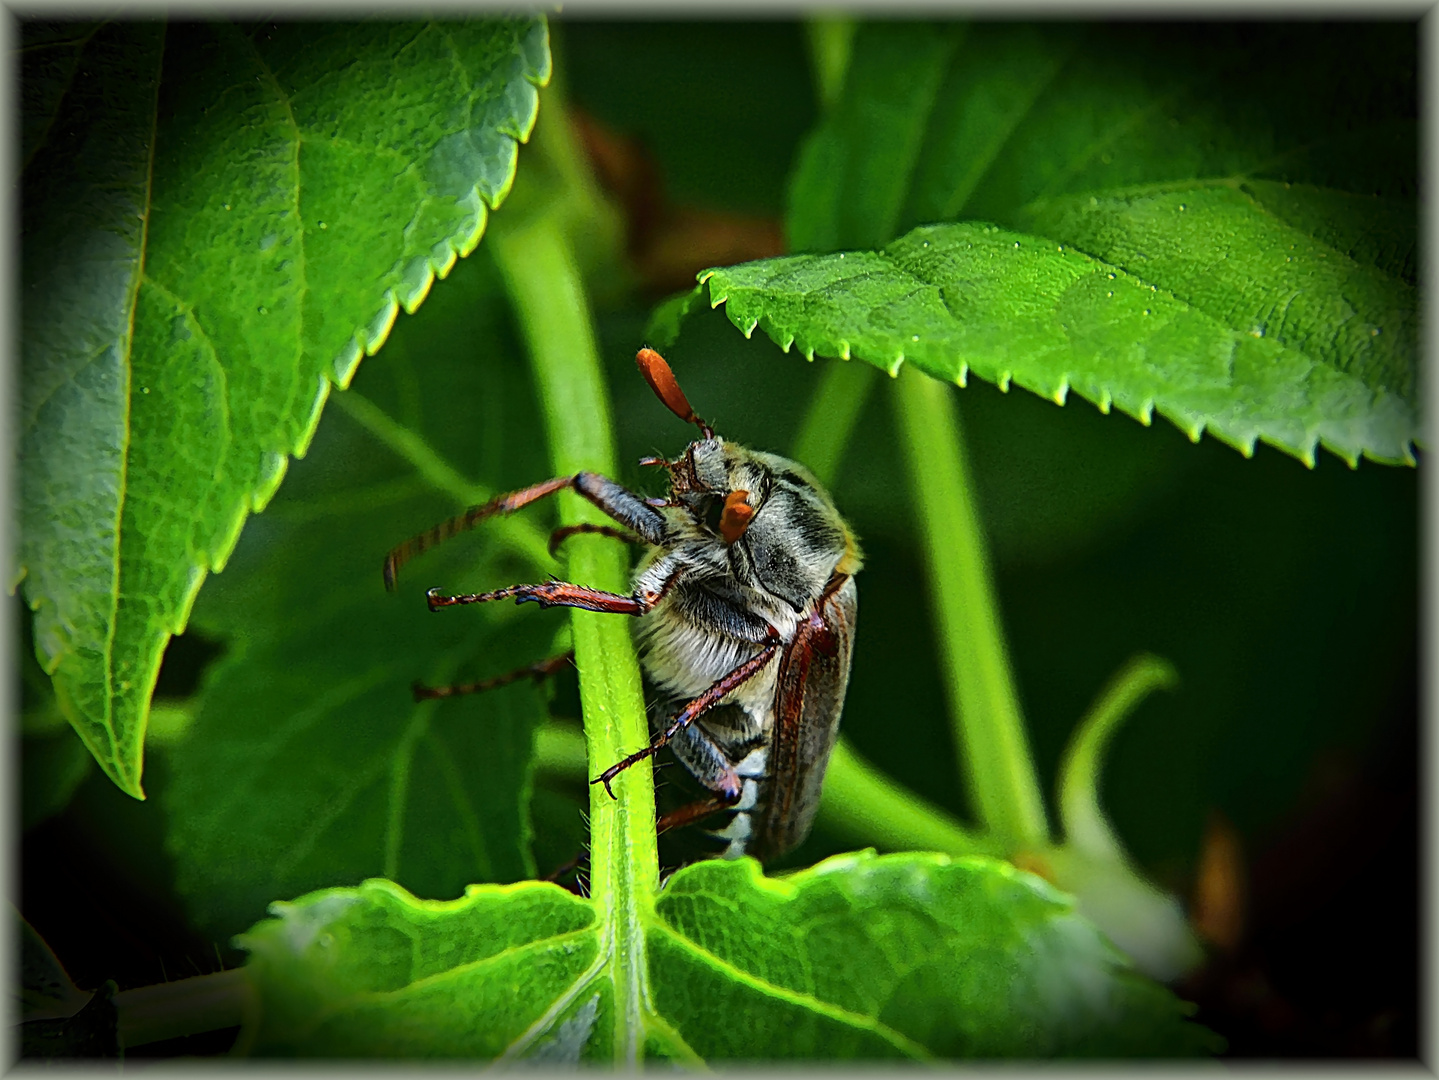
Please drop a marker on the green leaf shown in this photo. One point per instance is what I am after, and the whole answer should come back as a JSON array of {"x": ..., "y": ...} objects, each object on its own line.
[
  {"x": 951, "y": 299},
  {"x": 1265, "y": 207},
  {"x": 308, "y": 763},
  {"x": 218, "y": 225},
  {"x": 905, "y": 956}
]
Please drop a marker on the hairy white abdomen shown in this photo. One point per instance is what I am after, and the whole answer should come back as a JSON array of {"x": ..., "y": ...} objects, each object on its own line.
[{"x": 684, "y": 659}]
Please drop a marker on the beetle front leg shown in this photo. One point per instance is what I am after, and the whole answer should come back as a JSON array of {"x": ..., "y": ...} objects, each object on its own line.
[{"x": 649, "y": 591}]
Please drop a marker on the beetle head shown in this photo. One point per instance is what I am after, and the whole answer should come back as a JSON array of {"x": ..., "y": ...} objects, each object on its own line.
[{"x": 795, "y": 537}]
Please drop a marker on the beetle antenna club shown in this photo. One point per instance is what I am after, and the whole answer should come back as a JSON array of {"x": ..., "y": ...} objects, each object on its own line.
[{"x": 662, "y": 381}]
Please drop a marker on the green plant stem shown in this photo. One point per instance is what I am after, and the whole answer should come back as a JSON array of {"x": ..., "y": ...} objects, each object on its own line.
[
  {"x": 868, "y": 807},
  {"x": 544, "y": 284},
  {"x": 1085, "y": 827},
  {"x": 858, "y": 801},
  {"x": 843, "y": 389},
  {"x": 989, "y": 732},
  {"x": 831, "y": 41}
]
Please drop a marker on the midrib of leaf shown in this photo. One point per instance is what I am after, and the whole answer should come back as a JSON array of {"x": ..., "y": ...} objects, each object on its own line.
[
  {"x": 127, "y": 771},
  {"x": 412, "y": 447}
]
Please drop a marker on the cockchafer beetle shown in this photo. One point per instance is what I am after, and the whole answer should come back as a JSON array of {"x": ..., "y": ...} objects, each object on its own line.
[{"x": 745, "y": 606}]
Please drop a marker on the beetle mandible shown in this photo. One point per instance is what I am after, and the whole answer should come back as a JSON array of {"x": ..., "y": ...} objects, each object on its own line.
[{"x": 745, "y": 606}]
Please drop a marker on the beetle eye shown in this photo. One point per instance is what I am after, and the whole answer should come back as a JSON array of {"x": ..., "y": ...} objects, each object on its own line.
[{"x": 713, "y": 510}]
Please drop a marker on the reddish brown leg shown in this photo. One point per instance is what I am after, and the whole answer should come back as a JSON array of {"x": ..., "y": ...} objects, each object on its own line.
[
  {"x": 573, "y": 864},
  {"x": 548, "y": 594},
  {"x": 560, "y": 535},
  {"x": 624, "y": 506},
  {"x": 539, "y": 670},
  {"x": 695, "y": 811},
  {"x": 563, "y": 594},
  {"x": 702, "y": 704},
  {"x": 505, "y": 504}
]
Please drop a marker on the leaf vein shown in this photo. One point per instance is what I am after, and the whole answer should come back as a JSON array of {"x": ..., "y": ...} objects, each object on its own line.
[{"x": 792, "y": 997}]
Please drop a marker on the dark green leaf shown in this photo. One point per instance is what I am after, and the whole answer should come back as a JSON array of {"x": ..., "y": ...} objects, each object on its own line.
[
  {"x": 217, "y": 227},
  {"x": 909, "y": 956},
  {"x": 54, "y": 766}
]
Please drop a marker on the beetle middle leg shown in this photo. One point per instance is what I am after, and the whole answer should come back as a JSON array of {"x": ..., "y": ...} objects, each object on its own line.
[{"x": 686, "y": 716}]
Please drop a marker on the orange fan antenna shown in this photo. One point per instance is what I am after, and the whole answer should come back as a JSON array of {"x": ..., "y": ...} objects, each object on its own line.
[{"x": 662, "y": 381}]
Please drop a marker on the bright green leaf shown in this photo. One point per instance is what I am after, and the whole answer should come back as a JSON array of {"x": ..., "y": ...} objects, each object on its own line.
[
  {"x": 218, "y": 225},
  {"x": 904, "y": 956},
  {"x": 951, "y": 299},
  {"x": 1264, "y": 203}
]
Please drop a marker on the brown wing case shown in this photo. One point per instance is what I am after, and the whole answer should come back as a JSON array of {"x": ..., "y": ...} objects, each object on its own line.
[{"x": 809, "y": 696}]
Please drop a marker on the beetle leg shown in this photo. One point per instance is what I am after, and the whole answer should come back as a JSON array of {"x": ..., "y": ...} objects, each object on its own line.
[
  {"x": 563, "y": 594},
  {"x": 560, "y": 535},
  {"x": 706, "y": 701},
  {"x": 708, "y": 764},
  {"x": 540, "y": 669},
  {"x": 619, "y": 503},
  {"x": 689, "y": 814}
]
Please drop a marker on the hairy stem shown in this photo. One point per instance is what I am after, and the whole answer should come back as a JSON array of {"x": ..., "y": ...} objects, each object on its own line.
[
  {"x": 538, "y": 265},
  {"x": 984, "y": 707}
]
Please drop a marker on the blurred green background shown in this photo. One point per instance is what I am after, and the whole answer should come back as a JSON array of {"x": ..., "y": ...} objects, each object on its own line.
[{"x": 1287, "y": 599}]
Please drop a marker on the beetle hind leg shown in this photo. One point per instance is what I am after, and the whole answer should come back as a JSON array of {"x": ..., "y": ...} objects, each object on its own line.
[{"x": 539, "y": 671}]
